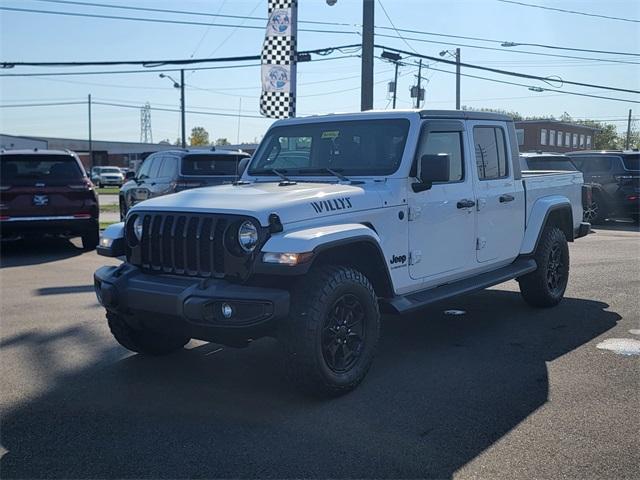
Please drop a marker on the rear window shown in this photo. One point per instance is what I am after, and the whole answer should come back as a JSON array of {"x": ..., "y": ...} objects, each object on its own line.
[
  {"x": 631, "y": 162},
  {"x": 551, "y": 163},
  {"x": 30, "y": 169},
  {"x": 210, "y": 165}
]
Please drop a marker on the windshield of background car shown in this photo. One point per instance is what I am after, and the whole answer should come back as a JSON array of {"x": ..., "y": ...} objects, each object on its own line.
[
  {"x": 41, "y": 168},
  {"x": 364, "y": 147},
  {"x": 111, "y": 170},
  {"x": 551, "y": 163},
  {"x": 631, "y": 162},
  {"x": 210, "y": 165}
]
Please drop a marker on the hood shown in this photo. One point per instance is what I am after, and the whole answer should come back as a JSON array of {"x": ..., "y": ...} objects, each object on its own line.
[{"x": 292, "y": 202}]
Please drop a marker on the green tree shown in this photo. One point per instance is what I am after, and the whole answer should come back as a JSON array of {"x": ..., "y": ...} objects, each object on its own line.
[
  {"x": 199, "y": 136},
  {"x": 222, "y": 142},
  {"x": 606, "y": 137}
]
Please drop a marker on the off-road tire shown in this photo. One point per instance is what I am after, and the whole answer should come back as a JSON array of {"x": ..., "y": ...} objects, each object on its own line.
[
  {"x": 90, "y": 239},
  {"x": 545, "y": 286},
  {"x": 596, "y": 213},
  {"x": 143, "y": 341},
  {"x": 315, "y": 303}
]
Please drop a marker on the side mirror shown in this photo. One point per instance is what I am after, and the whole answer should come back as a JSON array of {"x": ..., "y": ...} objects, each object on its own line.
[
  {"x": 129, "y": 175},
  {"x": 433, "y": 168}
]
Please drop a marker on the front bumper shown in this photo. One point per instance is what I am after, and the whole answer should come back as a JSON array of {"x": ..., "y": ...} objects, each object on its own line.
[{"x": 190, "y": 306}]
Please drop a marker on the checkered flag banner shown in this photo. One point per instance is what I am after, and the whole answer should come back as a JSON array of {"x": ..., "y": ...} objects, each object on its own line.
[{"x": 278, "y": 65}]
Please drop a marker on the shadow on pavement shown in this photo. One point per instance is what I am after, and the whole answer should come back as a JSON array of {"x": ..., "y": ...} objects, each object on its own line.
[
  {"x": 442, "y": 390},
  {"x": 617, "y": 225},
  {"x": 65, "y": 290},
  {"x": 25, "y": 252}
]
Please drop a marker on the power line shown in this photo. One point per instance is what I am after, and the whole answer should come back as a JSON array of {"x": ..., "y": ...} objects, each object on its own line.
[
  {"x": 262, "y": 19},
  {"x": 569, "y": 11},
  {"x": 157, "y": 20},
  {"x": 512, "y": 50},
  {"x": 580, "y": 94},
  {"x": 161, "y": 63},
  {"x": 507, "y": 72},
  {"x": 386, "y": 14},
  {"x": 150, "y": 70}
]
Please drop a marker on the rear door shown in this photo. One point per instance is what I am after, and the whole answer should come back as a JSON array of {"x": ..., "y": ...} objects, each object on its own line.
[
  {"x": 500, "y": 205},
  {"x": 41, "y": 185}
]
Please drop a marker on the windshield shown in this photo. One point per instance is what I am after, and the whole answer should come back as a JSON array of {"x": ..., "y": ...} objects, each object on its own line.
[
  {"x": 203, "y": 165},
  {"x": 371, "y": 147},
  {"x": 30, "y": 169},
  {"x": 110, "y": 170}
]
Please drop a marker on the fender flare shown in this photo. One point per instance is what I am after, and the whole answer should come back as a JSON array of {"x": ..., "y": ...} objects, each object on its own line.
[{"x": 542, "y": 208}]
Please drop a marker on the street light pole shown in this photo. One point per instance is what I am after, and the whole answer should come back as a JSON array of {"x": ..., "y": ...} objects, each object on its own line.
[
  {"x": 395, "y": 86},
  {"x": 366, "y": 87},
  {"x": 90, "y": 138},
  {"x": 182, "y": 104}
]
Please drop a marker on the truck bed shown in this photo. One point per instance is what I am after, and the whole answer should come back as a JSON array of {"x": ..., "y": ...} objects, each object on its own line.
[{"x": 544, "y": 183}]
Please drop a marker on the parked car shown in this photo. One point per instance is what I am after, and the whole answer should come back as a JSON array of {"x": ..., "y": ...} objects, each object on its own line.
[
  {"x": 107, "y": 176},
  {"x": 546, "y": 161},
  {"x": 391, "y": 210},
  {"x": 615, "y": 179},
  {"x": 172, "y": 171},
  {"x": 47, "y": 192}
]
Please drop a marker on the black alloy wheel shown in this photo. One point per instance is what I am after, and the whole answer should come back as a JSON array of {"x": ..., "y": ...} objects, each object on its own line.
[{"x": 344, "y": 333}]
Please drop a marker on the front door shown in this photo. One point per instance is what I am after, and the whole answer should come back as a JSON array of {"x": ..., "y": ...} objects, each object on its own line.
[
  {"x": 500, "y": 204},
  {"x": 442, "y": 219}
]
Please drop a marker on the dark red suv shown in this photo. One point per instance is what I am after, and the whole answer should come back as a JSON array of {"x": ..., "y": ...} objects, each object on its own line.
[{"x": 47, "y": 192}]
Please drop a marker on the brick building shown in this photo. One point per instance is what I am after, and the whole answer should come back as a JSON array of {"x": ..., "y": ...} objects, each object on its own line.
[{"x": 554, "y": 136}]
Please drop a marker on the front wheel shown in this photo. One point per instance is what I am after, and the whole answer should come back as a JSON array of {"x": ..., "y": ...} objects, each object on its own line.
[
  {"x": 545, "y": 286},
  {"x": 332, "y": 332}
]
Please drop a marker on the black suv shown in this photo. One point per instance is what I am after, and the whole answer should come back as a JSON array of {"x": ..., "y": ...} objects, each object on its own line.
[
  {"x": 615, "y": 178},
  {"x": 171, "y": 171},
  {"x": 546, "y": 161}
]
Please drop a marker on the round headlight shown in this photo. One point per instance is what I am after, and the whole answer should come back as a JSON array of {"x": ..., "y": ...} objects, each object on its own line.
[
  {"x": 248, "y": 236},
  {"x": 137, "y": 228}
]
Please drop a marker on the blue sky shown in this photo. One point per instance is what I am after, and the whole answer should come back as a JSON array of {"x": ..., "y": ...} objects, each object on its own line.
[{"x": 326, "y": 86}]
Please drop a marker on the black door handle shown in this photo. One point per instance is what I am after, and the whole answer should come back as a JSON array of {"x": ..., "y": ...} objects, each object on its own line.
[
  {"x": 506, "y": 198},
  {"x": 465, "y": 203}
]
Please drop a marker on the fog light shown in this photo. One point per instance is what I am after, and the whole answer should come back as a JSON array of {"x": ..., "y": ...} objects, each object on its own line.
[
  {"x": 106, "y": 242},
  {"x": 227, "y": 310}
]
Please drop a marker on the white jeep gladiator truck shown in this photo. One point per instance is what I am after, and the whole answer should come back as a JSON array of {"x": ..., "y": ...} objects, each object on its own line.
[{"x": 336, "y": 219}]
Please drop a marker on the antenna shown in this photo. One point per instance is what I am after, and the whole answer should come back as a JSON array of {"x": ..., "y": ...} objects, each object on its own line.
[{"x": 146, "y": 136}]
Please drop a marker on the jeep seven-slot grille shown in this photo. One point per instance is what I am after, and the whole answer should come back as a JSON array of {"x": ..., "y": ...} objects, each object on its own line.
[{"x": 182, "y": 244}]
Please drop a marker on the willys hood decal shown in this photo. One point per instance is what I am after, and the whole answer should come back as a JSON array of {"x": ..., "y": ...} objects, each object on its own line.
[{"x": 292, "y": 203}]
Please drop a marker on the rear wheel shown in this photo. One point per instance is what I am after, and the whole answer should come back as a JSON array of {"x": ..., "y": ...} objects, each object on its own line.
[
  {"x": 545, "y": 286},
  {"x": 332, "y": 332},
  {"x": 596, "y": 212},
  {"x": 142, "y": 340},
  {"x": 90, "y": 239}
]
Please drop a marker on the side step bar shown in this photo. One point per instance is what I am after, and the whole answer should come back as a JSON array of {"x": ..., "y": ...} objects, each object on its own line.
[{"x": 414, "y": 301}]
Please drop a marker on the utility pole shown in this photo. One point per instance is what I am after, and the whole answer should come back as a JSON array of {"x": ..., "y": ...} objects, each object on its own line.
[
  {"x": 366, "y": 87},
  {"x": 395, "y": 86},
  {"x": 90, "y": 139},
  {"x": 628, "y": 131},
  {"x": 419, "y": 80},
  {"x": 182, "y": 108},
  {"x": 457, "y": 79},
  {"x": 239, "y": 113}
]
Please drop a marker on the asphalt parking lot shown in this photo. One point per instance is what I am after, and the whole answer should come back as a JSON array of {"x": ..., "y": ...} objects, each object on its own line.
[{"x": 503, "y": 391}]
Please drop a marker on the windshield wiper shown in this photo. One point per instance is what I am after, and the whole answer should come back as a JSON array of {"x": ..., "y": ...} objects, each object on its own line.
[
  {"x": 336, "y": 174},
  {"x": 285, "y": 180}
]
